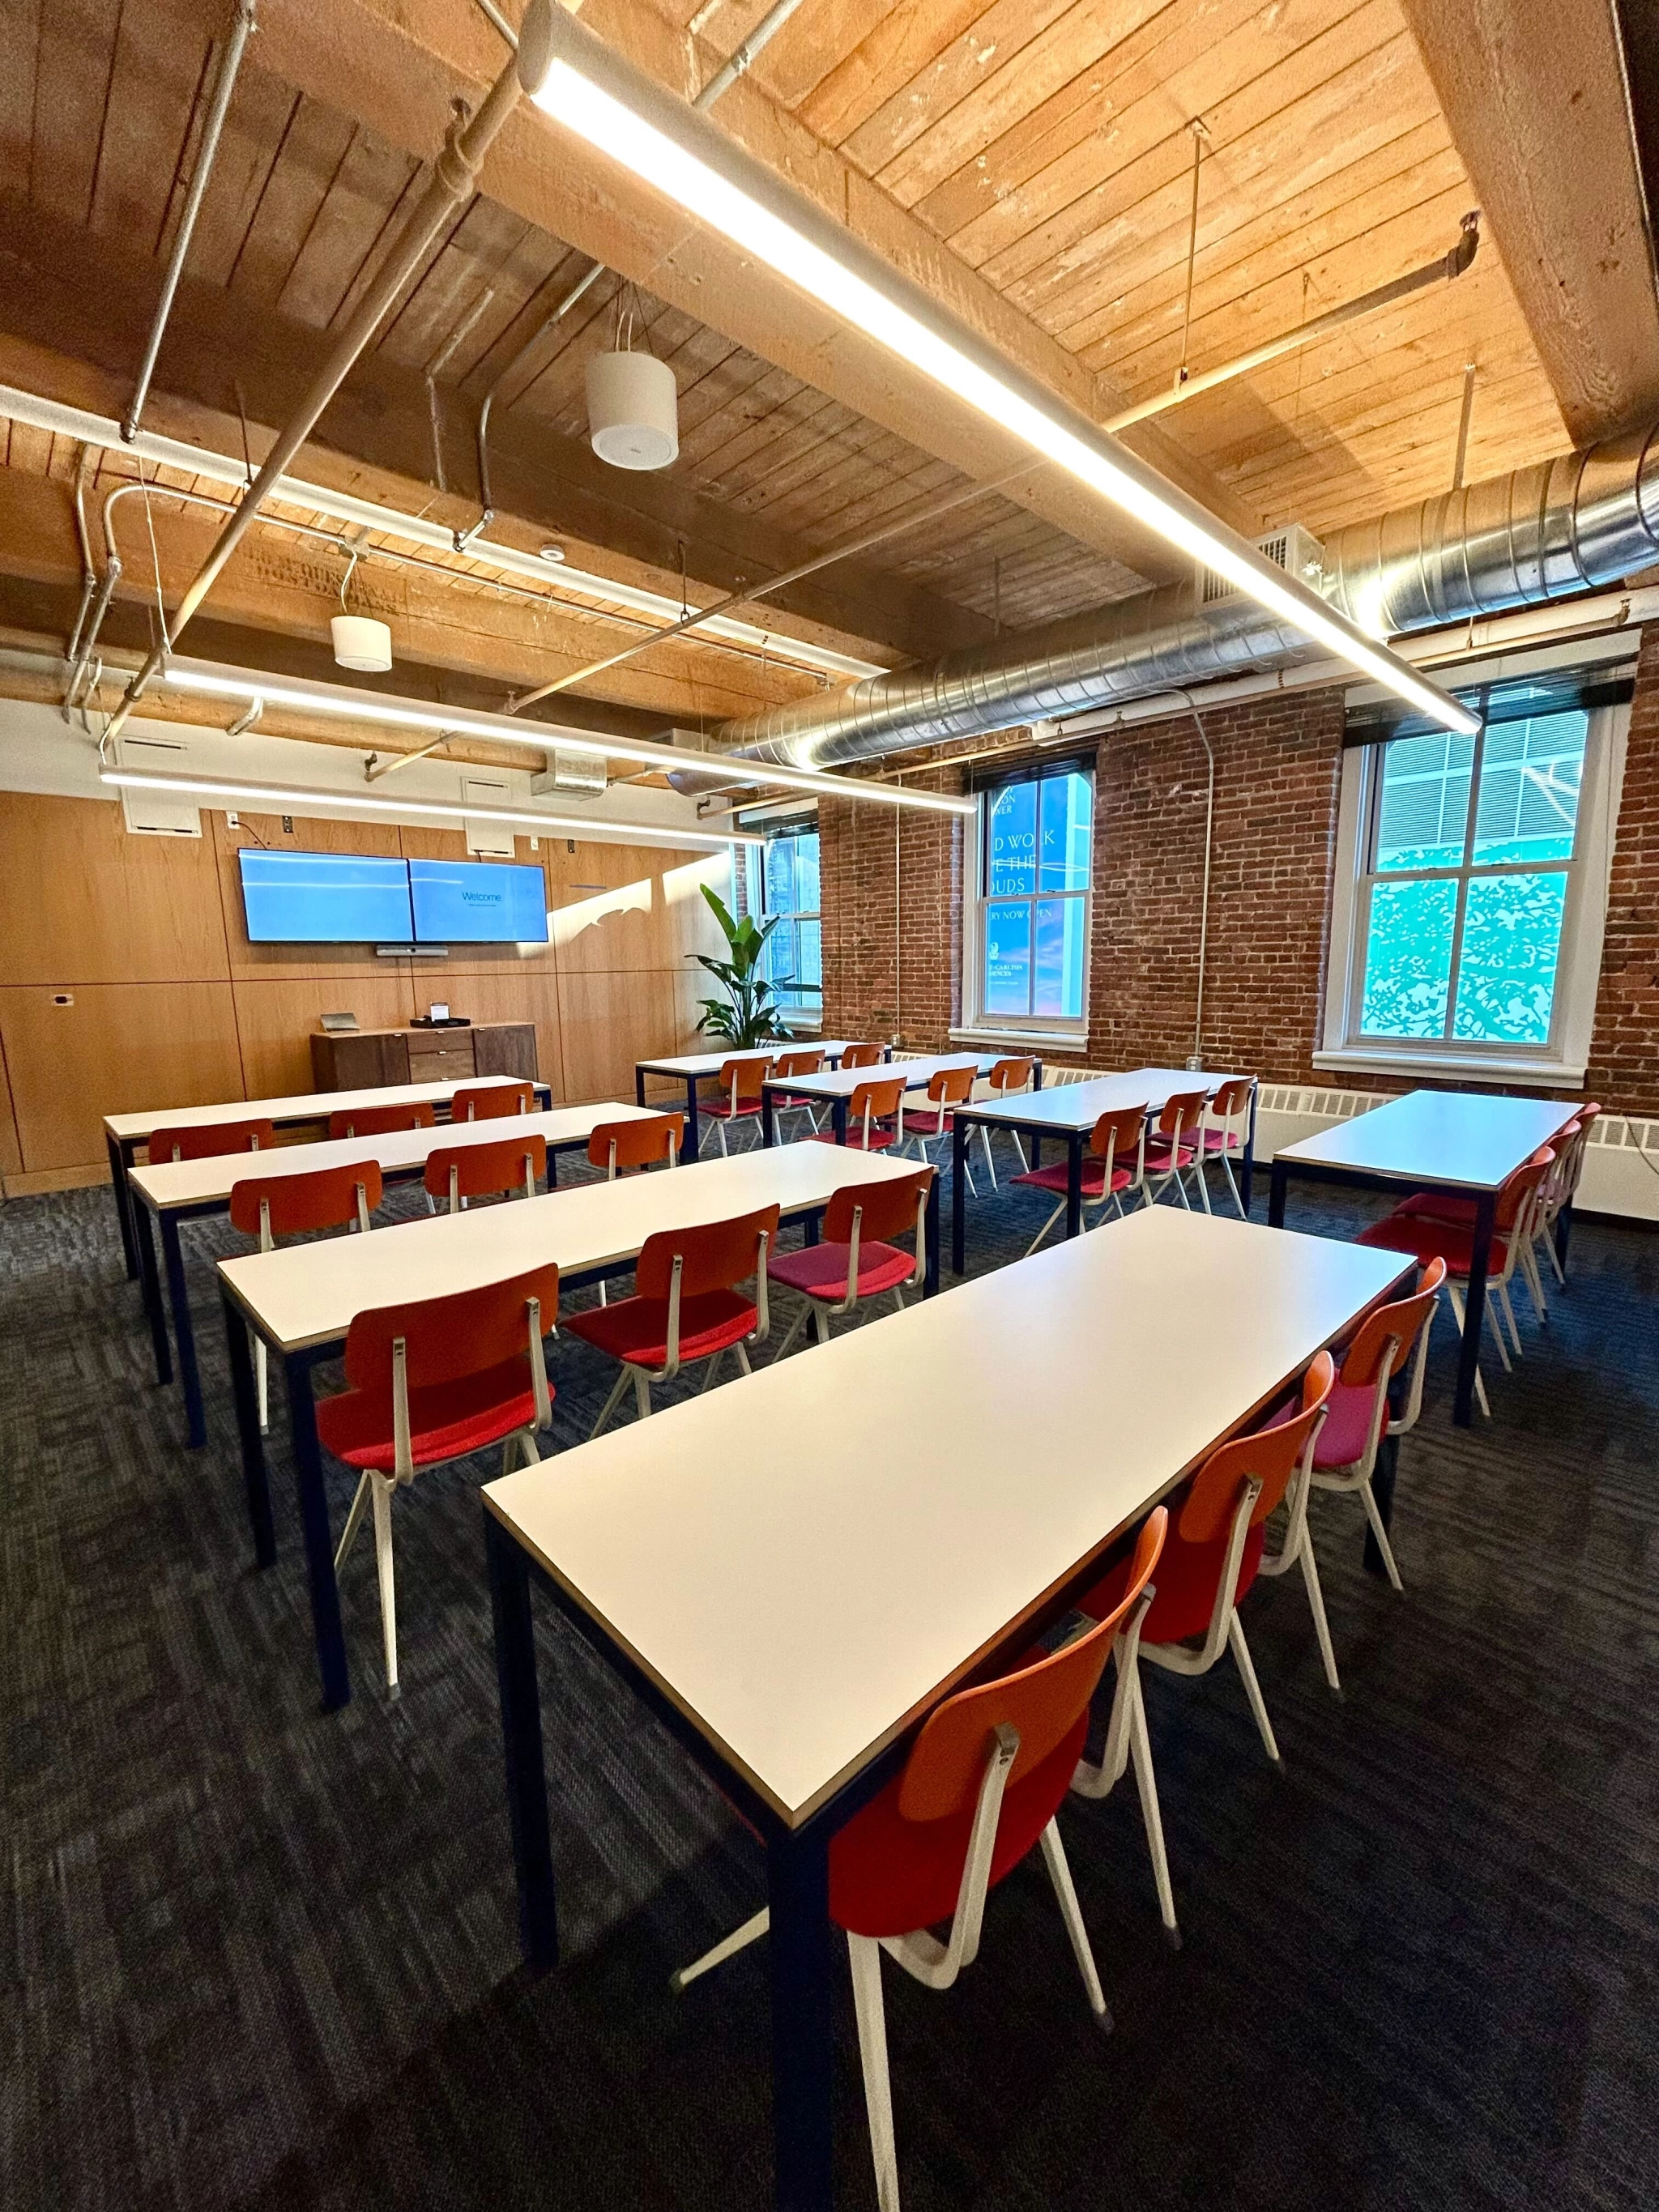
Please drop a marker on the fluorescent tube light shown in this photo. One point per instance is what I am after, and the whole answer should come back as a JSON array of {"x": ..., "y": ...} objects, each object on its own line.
[
  {"x": 206, "y": 680},
  {"x": 596, "y": 828},
  {"x": 603, "y": 99}
]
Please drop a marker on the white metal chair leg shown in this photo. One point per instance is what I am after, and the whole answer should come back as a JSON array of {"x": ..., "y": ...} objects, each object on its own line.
[
  {"x": 864, "y": 1954},
  {"x": 381, "y": 1495},
  {"x": 1053, "y": 1857},
  {"x": 1458, "y": 1314},
  {"x": 710, "y": 1372},
  {"x": 1046, "y": 1227},
  {"x": 1151, "y": 1818},
  {"x": 793, "y": 1330},
  {"x": 1555, "y": 1259},
  {"x": 1227, "y": 1170},
  {"x": 1252, "y": 1687},
  {"x": 611, "y": 1402},
  {"x": 727, "y": 1947},
  {"x": 642, "y": 1393},
  {"x": 1502, "y": 1291},
  {"x": 1374, "y": 1515},
  {"x": 1496, "y": 1328},
  {"x": 262, "y": 1375},
  {"x": 1316, "y": 1606},
  {"x": 1534, "y": 1282},
  {"x": 985, "y": 1147},
  {"x": 719, "y": 1131},
  {"x": 354, "y": 1520},
  {"x": 743, "y": 1358},
  {"x": 820, "y": 1322}
]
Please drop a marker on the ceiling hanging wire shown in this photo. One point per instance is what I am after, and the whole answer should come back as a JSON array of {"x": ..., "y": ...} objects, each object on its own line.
[{"x": 1201, "y": 132}]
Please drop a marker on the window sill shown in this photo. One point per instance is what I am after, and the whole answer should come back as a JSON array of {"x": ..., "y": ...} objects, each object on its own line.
[
  {"x": 1552, "y": 1074},
  {"x": 1049, "y": 1041}
]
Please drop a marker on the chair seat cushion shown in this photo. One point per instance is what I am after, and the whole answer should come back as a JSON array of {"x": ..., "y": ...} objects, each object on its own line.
[
  {"x": 446, "y": 1422},
  {"x": 1222, "y": 1140},
  {"x": 1439, "y": 1206},
  {"x": 1431, "y": 1240},
  {"x": 888, "y": 1875},
  {"x": 880, "y": 1138},
  {"x": 1185, "y": 1581},
  {"x": 820, "y": 1270},
  {"x": 636, "y": 1329},
  {"x": 1160, "y": 1152},
  {"x": 1347, "y": 1424},
  {"x": 928, "y": 1122},
  {"x": 1055, "y": 1177},
  {"x": 722, "y": 1110}
]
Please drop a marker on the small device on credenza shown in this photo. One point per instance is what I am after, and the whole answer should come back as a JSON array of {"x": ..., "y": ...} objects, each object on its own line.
[
  {"x": 339, "y": 1024},
  {"x": 438, "y": 1017}
]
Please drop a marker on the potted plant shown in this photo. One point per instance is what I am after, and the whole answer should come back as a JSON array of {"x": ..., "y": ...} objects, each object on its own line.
[{"x": 747, "y": 1014}]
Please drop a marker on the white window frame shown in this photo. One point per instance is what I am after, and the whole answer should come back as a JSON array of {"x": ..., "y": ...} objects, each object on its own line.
[
  {"x": 1051, "y": 1030},
  {"x": 1563, "y": 1058},
  {"x": 791, "y": 822}
]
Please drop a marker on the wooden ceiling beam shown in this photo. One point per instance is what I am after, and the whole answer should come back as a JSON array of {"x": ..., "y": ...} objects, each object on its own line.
[{"x": 1536, "y": 99}]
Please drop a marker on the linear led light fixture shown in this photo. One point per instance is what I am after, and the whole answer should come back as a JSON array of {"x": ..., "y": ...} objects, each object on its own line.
[
  {"x": 603, "y": 99},
  {"x": 282, "y": 796},
  {"x": 346, "y": 701}
]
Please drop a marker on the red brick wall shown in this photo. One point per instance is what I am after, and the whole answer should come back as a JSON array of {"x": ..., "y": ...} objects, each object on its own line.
[
  {"x": 1624, "y": 1068},
  {"x": 890, "y": 882}
]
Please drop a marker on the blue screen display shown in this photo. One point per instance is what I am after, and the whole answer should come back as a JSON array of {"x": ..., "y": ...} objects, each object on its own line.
[
  {"x": 323, "y": 898},
  {"x": 475, "y": 903}
]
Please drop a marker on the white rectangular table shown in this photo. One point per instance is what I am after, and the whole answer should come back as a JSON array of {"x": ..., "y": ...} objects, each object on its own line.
[
  {"x": 692, "y": 1068},
  {"x": 836, "y": 1089},
  {"x": 1464, "y": 1142},
  {"x": 302, "y": 1299},
  {"x": 172, "y": 1191},
  {"x": 792, "y": 1572},
  {"x": 124, "y": 1133},
  {"x": 1070, "y": 1110}
]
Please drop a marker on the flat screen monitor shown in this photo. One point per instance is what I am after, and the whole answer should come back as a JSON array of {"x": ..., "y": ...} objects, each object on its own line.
[
  {"x": 323, "y": 898},
  {"x": 478, "y": 902}
]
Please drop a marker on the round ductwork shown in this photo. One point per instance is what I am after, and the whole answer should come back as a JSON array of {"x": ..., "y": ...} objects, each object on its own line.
[
  {"x": 632, "y": 410},
  {"x": 360, "y": 641}
]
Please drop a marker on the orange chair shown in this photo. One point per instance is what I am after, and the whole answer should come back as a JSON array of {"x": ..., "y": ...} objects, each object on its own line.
[
  {"x": 946, "y": 1087},
  {"x": 1174, "y": 1147},
  {"x": 1115, "y": 1137},
  {"x": 381, "y": 1120},
  {"x": 981, "y": 1788},
  {"x": 433, "y": 1381},
  {"x": 270, "y": 1206},
  {"x": 850, "y": 1261},
  {"x": 621, "y": 1147},
  {"x": 796, "y": 1063},
  {"x": 1225, "y": 1130},
  {"x": 501, "y": 1169},
  {"x": 1006, "y": 1079},
  {"x": 740, "y": 1081},
  {"x": 1426, "y": 1238},
  {"x": 875, "y": 1115},
  {"x": 685, "y": 1306},
  {"x": 210, "y": 1144},
  {"x": 1214, "y": 1554},
  {"x": 862, "y": 1055},
  {"x": 491, "y": 1102}
]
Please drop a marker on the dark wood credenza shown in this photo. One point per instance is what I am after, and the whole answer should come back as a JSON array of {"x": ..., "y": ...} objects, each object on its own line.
[{"x": 365, "y": 1060}]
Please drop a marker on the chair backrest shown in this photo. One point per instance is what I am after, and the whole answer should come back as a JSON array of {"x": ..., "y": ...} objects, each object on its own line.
[
  {"x": 1181, "y": 1113},
  {"x": 887, "y": 1208},
  {"x": 616, "y": 1146},
  {"x": 458, "y": 1171},
  {"x": 381, "y": 1120},
  {"x": 321, "y": 1198},
  {"x": 210, "y": 1144},
  {"x": 1397, "y": 1324},
  {"x": 1011, "y": 1075},
  {"x": 715, "y": 1256},
  {"x": 1589, "y": 1113},
  {"x": 798, "y": 1063},
  {"x": 1232, "y": 1099},
  {"x": 741, "y": 1078},
  {"x": 950, "y": 1086},
  {"x": 463, "y": 1332},
  {"x": 862, "y": 1055},
  {"x": 1268, "y": 1456},
  {"x": 874, "y": 1101},
  {"x": 490, "y": 1101},
  {"x": 942, "y": 1773},
  {"x": 1516, "y": 1192},
  {"x": 1118, "y": 1134}
]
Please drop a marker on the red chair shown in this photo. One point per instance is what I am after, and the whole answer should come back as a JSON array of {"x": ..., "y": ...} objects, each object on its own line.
[
  {"x": 1006, "y": 1080},
  {"x": 1225, "y": 1130},
  {"x": 1427, "y": 1238},
  {"x": 501, "y": 1169},
  {"x": 621, "y": 1147},
  {"x": 1174, "y": 1148},
  {"x": 1559, "y": 1193},
  {"x": 981, "y": 1788},
  {"x": 685, "y": 1306},
  {"x": 923, "y": 1125},
  {"x": 1115, "y": 1137},
  {"x": 434, "y": 1382},
  {"x": 863, "y": 1055},
  {"x": 740, "y": 1081},
  {"x": 1214, "y": 1554},
  {"x": 850, "y": 1261},
  {"x": 1357, "y": 1417},
  {"x": 875, "y": 1116},
  {"x": 270, "y": 1206},
  {"x": 492, "y": 1101},
  {"x": 796, "y": 1063},
  {"x": 210, "y": 1144},
  {"x": 381, "y": 1120}
]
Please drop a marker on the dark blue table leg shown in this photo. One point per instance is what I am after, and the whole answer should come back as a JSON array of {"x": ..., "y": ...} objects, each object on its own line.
[
  {"x": 958, "y": 1196},
  {"x": 318, "y": 1538},
  {"x": 1563, "y": 1234},
  {"x": 838, "y": 1119},
  {"x": 930, "y": 1280},
  {"x": 1247, "y": 1165},
  {"x": 144, "y": 1230},
  {"x": 1474, "y": 1308},
  {"x": 522, "y": 1744},
  {"x": 689, "y": 1149},
  {"x": 1037, "y": 1075},
  {"x": 811, "y": 1227},
  {"x": 800, "y": 1952},
  {"x": 178, "y": 1297},
  {"x": 769, "y": 1117},
  {"x": 247, "y": 1397},
  {"x": 639, "y": 1084},
  {"x": 1276, "y": 1196},
  {"x": 1074, "y": 1183},
  {"x": 552, "y": 1168},
  {"x": 118, "y": 1183}
]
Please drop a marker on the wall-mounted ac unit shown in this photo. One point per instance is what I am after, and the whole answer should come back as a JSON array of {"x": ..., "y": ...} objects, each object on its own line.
[
  {"x": 570, "y": 775},
  {"x": 1290, "y": 548},
  {"x": 489, "y": 841},
  {"x": 156, "y": 813}
]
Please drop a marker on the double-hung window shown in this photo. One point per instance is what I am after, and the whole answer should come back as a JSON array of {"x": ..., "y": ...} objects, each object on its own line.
[
  {"x": 780, "y": 880},
  {"x": 1027, "y": 962},
  {"x": 1476, "y": 881}
]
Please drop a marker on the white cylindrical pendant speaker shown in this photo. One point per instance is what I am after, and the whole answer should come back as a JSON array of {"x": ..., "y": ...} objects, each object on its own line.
[
  {"x": 360, "y": 641},
  {"x": 632, "y": 410}
]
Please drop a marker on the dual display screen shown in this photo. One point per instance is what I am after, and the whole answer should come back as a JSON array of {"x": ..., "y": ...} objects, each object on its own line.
[{"x": 344, "y": 898}]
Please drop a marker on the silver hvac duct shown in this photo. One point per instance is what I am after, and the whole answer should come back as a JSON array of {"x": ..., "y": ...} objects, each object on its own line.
[{"x": 1542, "y": 532}]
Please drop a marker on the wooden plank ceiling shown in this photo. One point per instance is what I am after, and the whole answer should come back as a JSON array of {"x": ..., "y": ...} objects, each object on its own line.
[{"x": 1046, "y": 142}]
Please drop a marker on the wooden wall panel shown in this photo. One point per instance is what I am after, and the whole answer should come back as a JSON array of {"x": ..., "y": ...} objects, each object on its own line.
[
  {"x": 11, "y": 1152},
  {"x": 528, "y": 994},
  {"x": 119, "y": 1048},
  {"x": 651, "y": 913},
  {"x": 276, "y": 1014},
  {"x": 607, "y": 1029}
]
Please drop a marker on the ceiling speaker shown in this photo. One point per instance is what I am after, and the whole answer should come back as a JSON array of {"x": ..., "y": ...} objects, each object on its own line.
[
  {"x": 360, "y": 641},
  {"x": 632, "y": 410}
]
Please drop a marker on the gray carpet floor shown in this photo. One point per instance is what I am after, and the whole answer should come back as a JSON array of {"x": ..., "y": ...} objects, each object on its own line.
[{"x": 255, "y": 1956}]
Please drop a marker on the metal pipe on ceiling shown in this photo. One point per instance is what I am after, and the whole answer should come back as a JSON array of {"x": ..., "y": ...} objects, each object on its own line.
[
  {"x": 454, "y": 178},
  {"x": 230, "y": 61}
]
